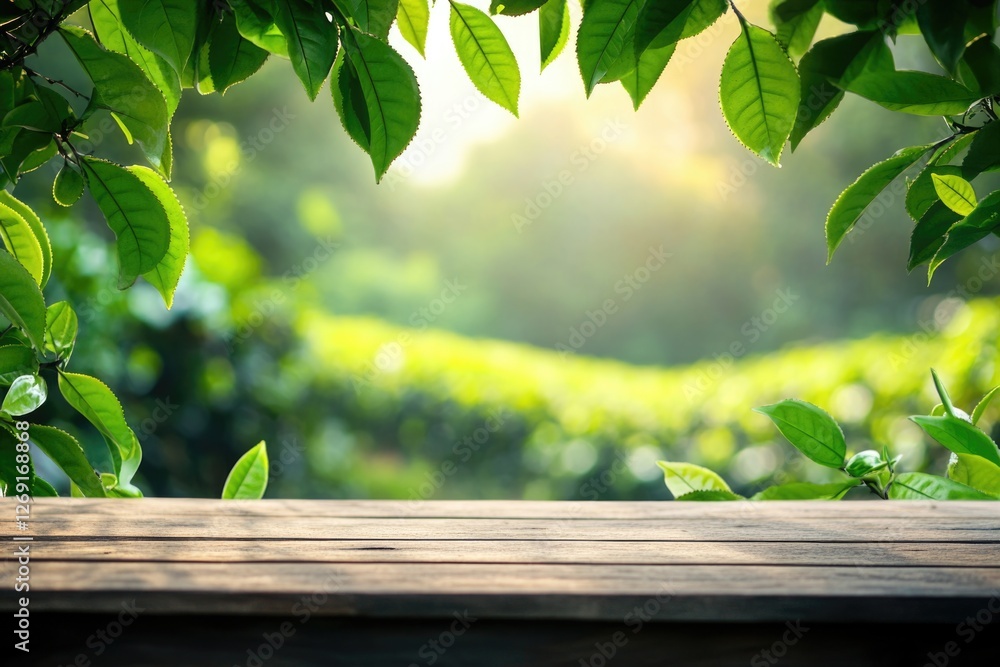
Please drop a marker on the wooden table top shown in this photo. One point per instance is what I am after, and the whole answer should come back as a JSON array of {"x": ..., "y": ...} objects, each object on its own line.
[{"x": 870, "y": 561}]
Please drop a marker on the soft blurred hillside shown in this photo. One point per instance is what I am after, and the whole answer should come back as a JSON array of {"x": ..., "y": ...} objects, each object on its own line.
[{"x": 611, "y": 249}]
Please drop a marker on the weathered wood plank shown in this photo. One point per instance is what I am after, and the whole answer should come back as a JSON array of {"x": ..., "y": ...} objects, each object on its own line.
[
  {"x": 368, "y": 581},
  {"x": 680, "y": 592},
  {"x": 46, "y": 508},
  {"x": 480, "y": 551},
  {"x": 849, "y": 528}
]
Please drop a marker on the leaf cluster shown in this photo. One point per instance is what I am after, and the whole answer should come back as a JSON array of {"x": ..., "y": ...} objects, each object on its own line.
[{"x": 973, "y": 470}]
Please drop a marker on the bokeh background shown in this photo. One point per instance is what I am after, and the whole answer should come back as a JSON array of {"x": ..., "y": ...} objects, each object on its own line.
[{"x": 533, "y": 308}]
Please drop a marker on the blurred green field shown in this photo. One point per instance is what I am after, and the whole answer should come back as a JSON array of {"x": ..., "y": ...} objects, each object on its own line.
[{"x": 482, "y": 419}]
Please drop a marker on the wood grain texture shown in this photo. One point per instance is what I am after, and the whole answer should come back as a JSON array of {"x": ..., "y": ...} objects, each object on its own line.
[
  {"x": 898, "y": 554},
  {"x": 598, "y": 592},
  {"x": 886, "y": 562}
]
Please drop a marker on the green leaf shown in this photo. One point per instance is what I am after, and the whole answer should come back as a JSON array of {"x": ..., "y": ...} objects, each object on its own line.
[
  {"x": 20, "y": 241},
  {"x": 412, "y": 17},
  {"x": 984, "y": 151},
  {"x": 810, "y": 430},
  {"x": 553, "y": 30},
  {"x": 865, "y": 463},
  {"x": 26, "y": 394},
  {"x": 710, "y": 496},
  {"x": 759, "y": 92},
  {"x": 20, "y": 158},
  {"x": 661, "y": 23},
  {"x": 922, "y": 194},
  {"x": 951, "y": 149},
  {"x": 67, "y": 188},
  {"x": 199, "y": 71},
  {"x": 133, "y": 212},
  {"x": 248, "y": 478},
  {"x": 167, "y": 272},
  {"x": 514, "y": 7},
  {"x": 976, "y": 472},
  {"x": 120, "y": 86},
  {"x": 943, "y": 27},
  {"x": 349, "y": 101},
  {"x": 857, "y": 12},
  {"x": 257, "y": 25},
  {"x": 96, "y": 402},
  {"x": 942, "y": 392},
  {"x": 855, "y": 200},
  {"x": 37, "y": 229},
  {"x": 21, "y": 300},
  {"x": 60, "y": 329},
  {"x": 980, "y": 66},
  {"x": 15, "y": 361},
  {"x": 231, "y": 57},
  {"x": 106, "y": 17},
  {"x": 604, "y": 44},
  {"x": 42, "y": 489},
  {"x": 979, "y": 224},
  {"x": 984, "y": 403},
  {"x": 929, "y": 233},
  {"x": 391, "y": 96},
  {"x": 796, "y": 22},
  {"x": 375, "y": 17},
  {"x": 959, "y": 436},
  {"x": 66, "y": 453},
  {"x": 956, "y": 193},
  {"x": 37, "y": 158},
  {"x": 920, "y": 486},
  {"x": 805, "y": 491},
  {"x": 913, "y": 92},
  {"x": 165, "y": 27},
  {"x": 312, "y": 41},
  {"x": 34, "y": 115},
  {"x": 684, "y": 478},
  {"x": 485, "y": 55},
  {"x": 641, "y": 80}
]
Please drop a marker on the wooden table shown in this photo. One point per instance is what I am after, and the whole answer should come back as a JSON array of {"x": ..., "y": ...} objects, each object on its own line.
[{"x": 281, "y": 583}]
